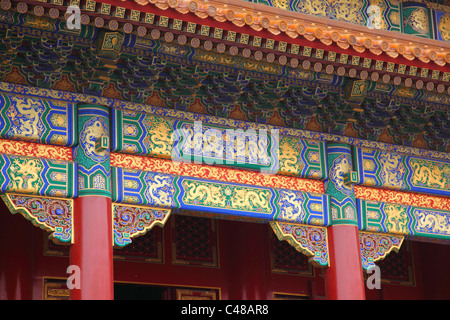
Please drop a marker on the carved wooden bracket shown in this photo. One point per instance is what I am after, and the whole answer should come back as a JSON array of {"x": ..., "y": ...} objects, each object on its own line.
[
  {"x": 309, "y": 240},
  {"x": 133, "y": 221},
  {"x": 53, "y": 215},
  {"x": 376, "y": 246}
]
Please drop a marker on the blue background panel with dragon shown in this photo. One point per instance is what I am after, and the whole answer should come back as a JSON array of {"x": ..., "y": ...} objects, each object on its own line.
[
  {"x": 401, "y": 172},
  {"x": 404, "y": 220},
  {"x": 37, "y": 120},
  {"x": 164, "y": 190},
  {"x": 36, "y": 176}
]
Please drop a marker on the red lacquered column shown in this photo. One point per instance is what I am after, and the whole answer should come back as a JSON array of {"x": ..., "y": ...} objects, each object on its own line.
[
  {"x": 344, "y": 277},
  {"x": 92, "y": 248},
  {"x": 91, "y": 255}
]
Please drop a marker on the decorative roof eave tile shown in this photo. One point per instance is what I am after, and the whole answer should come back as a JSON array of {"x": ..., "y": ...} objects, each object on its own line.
[{"x": 294, "y": 24}]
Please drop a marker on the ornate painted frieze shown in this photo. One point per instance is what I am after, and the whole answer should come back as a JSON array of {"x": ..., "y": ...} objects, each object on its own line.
[
  {"x": 92, "y": 151},
  {"x": 234, "y": 123},
  {"x": 142, "y": 187},
  {"x": 50, "y": 214},
  {"x": 141, "y": 133},
  {"x": 37, "y": 176},
  {"x": 215, "y": 173},
  {"x": 37, "y": 150},
  {"x": 402, "y": 172},
  {"x": 226, "y": 197},
  {"x": 375, "y": 247},
  {"x": 201, "y": 142},
  {"x": 309, "y": 240},
  {"x": 252, "y": 149},
  {"x": 37, "y": 120},
  {"x": 405, "y": 198},
  {"x": 187, "y": 193},
  {"x": 404, "y": 220},
  {"x": 133, "y": 221}
]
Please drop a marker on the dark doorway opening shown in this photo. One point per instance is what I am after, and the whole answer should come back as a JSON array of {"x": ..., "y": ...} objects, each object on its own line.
[{"x": 129, "y": 291}]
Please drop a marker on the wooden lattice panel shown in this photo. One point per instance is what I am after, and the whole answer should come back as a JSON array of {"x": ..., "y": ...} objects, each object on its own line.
[{"x": 194, "y": 241}]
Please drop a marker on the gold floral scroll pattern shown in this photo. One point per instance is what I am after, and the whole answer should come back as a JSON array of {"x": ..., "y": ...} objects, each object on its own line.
[
  {"x": 133, "y": 221},
  {"x": 215, "y": 173},
  {"x": 405, "y": 198},
  {"x": 53, "y": 215},
  {"x": 375, "y": 247},
  {"x": 311, "y": 241},
  {"x": 35, "y": 150}
]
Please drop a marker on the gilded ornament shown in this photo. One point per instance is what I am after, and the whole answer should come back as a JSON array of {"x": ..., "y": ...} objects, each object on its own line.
[
  {"x": 340, "y": 166},
  {"x": 93, "y": 130},
  {"x": 25, "y": 175},
  {"x": 392, "y": 170},
  {"x": 396, "y": 218},
  {"x": 430, "y": 174},
  {"x": 444, "y": 27},
  {"x": 25, "y": 116}
]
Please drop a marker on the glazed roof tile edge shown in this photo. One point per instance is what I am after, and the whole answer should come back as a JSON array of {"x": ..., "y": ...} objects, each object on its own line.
[{"x": 294, "y": 24}]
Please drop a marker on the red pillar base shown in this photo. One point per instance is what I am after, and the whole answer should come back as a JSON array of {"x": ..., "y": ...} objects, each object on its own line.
[
  {"x": 344, "y": 277},
  {"x": 92, "y": 250}
]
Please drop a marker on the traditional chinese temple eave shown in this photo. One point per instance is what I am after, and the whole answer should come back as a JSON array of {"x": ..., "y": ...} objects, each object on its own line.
[{"x": 280, "y": 22}]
